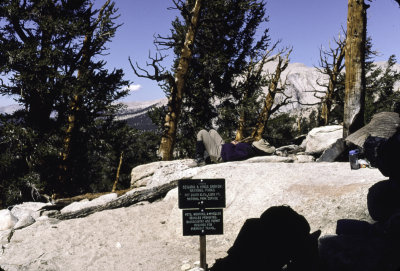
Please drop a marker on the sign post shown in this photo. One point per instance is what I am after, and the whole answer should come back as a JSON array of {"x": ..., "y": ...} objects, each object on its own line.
[
  {"x": 202, "y": 201},
  {"x": 203, "y": 252}
]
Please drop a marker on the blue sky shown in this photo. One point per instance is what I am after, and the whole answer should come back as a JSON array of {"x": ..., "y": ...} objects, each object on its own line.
[{"x": 305, "y": 25}]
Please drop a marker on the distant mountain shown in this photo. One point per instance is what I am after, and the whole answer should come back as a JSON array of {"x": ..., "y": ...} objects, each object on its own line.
[
  {"x": 135, "y": 114},
  {"x": 301, "y": 83}
]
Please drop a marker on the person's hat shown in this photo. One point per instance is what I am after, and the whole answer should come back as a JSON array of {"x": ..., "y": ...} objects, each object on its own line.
[{"x": 264, "y": 146}]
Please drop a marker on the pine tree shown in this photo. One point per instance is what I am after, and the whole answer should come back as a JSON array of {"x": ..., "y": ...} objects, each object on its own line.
[
  {"x": 49, "y": 51},
  {"x": 381, "y": 94},
  {"x": 223, "y": 49}
]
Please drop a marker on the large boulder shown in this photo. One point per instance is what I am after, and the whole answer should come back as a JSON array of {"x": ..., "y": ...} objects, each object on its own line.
[
  {"x": 333, "y": 152},
  {"x": 384, "y": 124},
  {"x": 155, "y": 173},
  {"x": 321, "y": 138}
]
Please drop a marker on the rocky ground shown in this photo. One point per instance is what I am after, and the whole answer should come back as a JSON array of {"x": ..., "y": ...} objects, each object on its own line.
[{"x": 148, "y": 236}]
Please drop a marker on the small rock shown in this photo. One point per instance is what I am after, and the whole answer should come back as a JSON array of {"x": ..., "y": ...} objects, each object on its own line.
[
  {"x": 289, "y": 149},
  {"x": 185, "y": 267},
  {"x": 304, "y": 158}
]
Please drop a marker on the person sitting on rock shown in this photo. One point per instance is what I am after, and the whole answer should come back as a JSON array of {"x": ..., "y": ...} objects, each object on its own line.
[{"x": 219, "y": 151}]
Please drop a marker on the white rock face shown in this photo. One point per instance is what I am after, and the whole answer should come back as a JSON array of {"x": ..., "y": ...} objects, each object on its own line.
[
  {"x": 320, "y": 138},
  {"x": 7, "y": 220}
]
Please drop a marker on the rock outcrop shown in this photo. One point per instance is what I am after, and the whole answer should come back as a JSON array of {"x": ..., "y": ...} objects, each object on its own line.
[
  {"x": 383, "y": 124},
  {"x": 148, "y": 236}
]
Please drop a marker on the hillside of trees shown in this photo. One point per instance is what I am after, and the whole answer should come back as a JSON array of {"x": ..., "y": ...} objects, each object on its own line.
[{"x": 66, "y": 140}]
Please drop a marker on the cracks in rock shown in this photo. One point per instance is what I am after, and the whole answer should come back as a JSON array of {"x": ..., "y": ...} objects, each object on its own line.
[{"x": 9, "y": 237}]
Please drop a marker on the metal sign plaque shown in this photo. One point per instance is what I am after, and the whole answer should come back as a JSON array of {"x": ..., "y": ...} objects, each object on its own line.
[
  {"x": 202, "y": 222},
  {"x": 201, "y": 193}
]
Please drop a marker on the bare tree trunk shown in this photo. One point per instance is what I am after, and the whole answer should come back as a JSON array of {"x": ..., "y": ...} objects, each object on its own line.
[
  {"x": 270, "y": 99},
  {"x": 242, "y": 114},
  {"x": 177, "y": 90},
  {"x": 240, "y": 131},
  {"x": 114, "y": 188},
  {"x": 332, "y": 70},
  {"x": 355, "y": 69},
  {"x": 328, "y": 99}
]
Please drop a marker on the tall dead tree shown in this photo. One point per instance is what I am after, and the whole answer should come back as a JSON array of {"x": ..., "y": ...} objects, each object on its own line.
[
  {"x": 176, "y": 84},
  {"x": 275, "y": 86},
  {"x": 176, "y": 96},
  {"x": 252, "y": 83},
  {"x": 331, "y": 65},
  {"x": 354, "y": 103},
  {"x": 253, "y": 75}
]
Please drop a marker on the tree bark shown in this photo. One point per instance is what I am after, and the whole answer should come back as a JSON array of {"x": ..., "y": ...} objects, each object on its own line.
[
  {"x": 355, "y": 69},
  {"x": 240, "y": 131},
  {"x": 242, "y": 119},
  {"x": 177, "y": 90}
]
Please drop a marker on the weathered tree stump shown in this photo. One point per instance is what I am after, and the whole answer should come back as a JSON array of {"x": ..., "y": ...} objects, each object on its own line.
[{"x": 151, "y": 194}]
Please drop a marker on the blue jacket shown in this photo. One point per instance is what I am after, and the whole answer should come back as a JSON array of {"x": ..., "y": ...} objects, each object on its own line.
[{"x": 240, "y": 151}]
